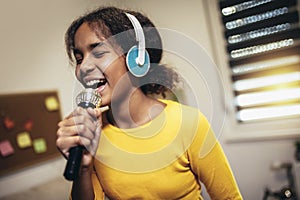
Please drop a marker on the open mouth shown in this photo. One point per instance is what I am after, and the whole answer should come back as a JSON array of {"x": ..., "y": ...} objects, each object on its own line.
[{"x": 96, "y": 84}]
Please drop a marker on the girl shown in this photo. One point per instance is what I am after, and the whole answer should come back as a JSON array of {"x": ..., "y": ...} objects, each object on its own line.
[{"x": 142, "y": 147}]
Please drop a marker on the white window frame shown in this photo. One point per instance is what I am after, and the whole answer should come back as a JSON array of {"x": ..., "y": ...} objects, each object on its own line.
[{"x": 234, "y": 131}]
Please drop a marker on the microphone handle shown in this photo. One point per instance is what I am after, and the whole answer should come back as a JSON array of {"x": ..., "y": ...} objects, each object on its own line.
[
  {"x": 74, "y": 161},
  {"x": 73, "y": 164}
]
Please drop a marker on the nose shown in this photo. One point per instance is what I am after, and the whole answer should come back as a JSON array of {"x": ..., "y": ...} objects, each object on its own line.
[{"x": 87, "y": 66}]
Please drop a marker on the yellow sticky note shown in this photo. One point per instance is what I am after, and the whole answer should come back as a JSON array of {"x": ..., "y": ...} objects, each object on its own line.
[
  {"x": 39, "y": 145},
  {"x": 24, "y": 140},
  {"x": 51, "y": 103}
]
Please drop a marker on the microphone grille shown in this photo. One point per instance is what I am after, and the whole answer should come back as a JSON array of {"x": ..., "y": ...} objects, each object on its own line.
[{"x": 88, "y": 98}]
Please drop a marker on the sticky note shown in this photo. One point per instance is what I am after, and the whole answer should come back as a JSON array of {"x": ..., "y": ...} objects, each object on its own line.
[
  {"x": 8, "y": 123},
  {"x": 24, "y": 140},
  {"x": 28, "y": 125},
  {"x": 51, "y": 103},
  {"x": 6, "y": 148},
  {"x": 39, "y": 145}
]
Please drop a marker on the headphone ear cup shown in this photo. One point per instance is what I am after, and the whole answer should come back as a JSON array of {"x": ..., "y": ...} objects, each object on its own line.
[{"x": 133, "y": 67}]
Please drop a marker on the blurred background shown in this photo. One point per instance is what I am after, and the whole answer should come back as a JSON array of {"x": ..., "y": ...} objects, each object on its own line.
[{"x": 261, "y": 147}]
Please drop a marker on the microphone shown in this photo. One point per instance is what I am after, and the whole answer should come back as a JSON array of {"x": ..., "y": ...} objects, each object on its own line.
[{"x": 88, "y": 98}]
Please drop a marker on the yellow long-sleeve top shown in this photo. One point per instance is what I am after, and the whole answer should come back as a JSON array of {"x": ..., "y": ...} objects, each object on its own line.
[{"x": 164, "y": 159}]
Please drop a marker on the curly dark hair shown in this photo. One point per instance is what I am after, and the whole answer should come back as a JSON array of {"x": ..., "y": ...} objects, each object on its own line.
[{"x": 113, "y": 22}]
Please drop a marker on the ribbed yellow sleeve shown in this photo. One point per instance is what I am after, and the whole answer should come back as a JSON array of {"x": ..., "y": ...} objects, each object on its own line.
[{"x": 210, "y": 164}]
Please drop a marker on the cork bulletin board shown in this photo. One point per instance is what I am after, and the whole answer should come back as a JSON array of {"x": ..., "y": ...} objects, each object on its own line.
[{"x": 28, "y": 125}]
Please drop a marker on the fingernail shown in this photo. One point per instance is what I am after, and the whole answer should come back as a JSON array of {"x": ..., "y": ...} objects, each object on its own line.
[{"x": 105, "y": 108}]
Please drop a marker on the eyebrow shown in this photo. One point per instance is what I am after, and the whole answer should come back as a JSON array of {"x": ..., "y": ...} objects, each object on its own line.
[
  {"x": 90, "y": 47},
  {"x": 97, "y": 44}
]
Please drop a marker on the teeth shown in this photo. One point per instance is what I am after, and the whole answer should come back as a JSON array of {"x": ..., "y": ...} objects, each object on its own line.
[{"x": 93, "y": 82}]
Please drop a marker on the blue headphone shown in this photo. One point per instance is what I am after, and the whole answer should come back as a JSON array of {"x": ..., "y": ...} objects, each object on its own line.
[{"x": 137, "y": 59}]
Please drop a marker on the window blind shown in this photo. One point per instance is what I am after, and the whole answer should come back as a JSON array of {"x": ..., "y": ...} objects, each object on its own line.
[{"x": 263, "y": 45}]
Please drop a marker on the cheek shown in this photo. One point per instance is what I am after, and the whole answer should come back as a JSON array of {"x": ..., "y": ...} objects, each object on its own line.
[
  {"x": 77, "y": 73},
  {"x": 106, "y": 64},
  {"x": 112, "y": 63},
  {"x": 117, "y": 68}
]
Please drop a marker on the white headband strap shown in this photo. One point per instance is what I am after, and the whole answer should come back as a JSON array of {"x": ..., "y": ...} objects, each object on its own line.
[{"x": 140, "y": 38}]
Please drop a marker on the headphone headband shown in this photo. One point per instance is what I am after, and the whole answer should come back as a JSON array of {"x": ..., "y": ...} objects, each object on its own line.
[{"x": 140, "y": 38}]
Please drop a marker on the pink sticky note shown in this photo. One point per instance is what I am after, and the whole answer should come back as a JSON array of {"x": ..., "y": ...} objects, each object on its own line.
[{"x": 6, "y": 148}]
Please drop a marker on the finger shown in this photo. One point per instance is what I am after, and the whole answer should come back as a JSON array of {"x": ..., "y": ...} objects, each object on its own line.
[
  {"x": 80, "y": 116},
  {"x": 98, "y": 133},
  {"x": 85, "y": 142},
  {"x": 85, "y": 131},
  {"x": 74, "y": 113},
  {"x": 71, "y": 131},
  {"x": 67, "y": 131},
  {"x": 94, "y": 113},
  {"x": 95, "y": 142},
  {"x": 97, "y": 112},
  {"x": 104, "y": 109},
  {"x": 65, "y": 143},
  {"x": 69, "y": 120},
  {"x": 90, "y": 145},
  {"x": 78, "y": 120}
]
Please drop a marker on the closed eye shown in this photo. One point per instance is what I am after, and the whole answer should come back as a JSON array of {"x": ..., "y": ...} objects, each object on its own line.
[{"x": 99, "y": 54}]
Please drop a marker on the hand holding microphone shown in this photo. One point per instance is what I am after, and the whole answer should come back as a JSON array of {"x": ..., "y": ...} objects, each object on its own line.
[{"x": 80, "y": 131}]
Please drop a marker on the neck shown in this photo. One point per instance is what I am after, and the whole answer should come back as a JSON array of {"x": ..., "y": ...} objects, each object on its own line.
[{"x": 134, "y": 111}]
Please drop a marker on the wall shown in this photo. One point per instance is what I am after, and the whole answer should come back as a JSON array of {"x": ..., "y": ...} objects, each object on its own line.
[
  {"x": 33, "y": 58},
  {"x": 251, "y": 157}
]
